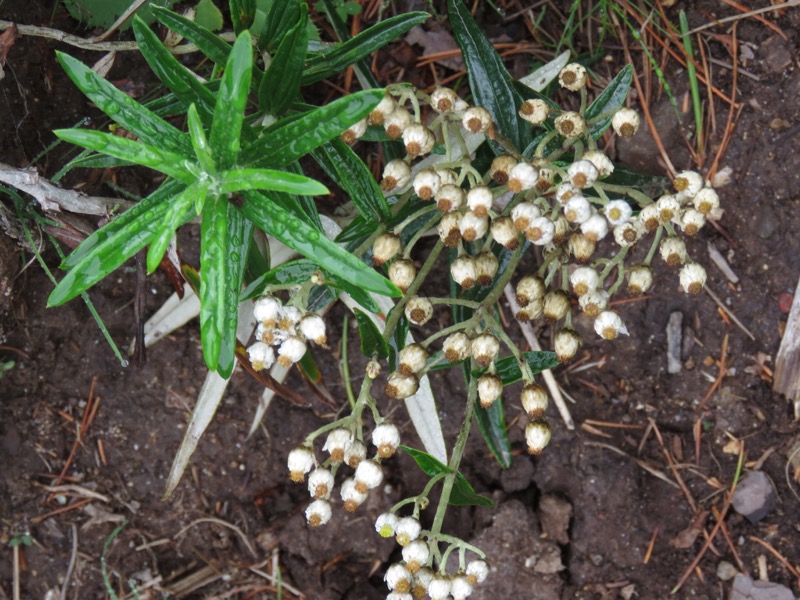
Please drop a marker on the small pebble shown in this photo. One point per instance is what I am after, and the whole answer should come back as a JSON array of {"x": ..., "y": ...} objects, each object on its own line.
[
  {"x": 754, "y": 496},
  {"x": 745, "y": 588},
  {"x": 726, "y": 571}
]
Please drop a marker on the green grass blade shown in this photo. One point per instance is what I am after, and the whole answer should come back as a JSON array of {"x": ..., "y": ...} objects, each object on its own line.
[{"x": 691, "y": 72}]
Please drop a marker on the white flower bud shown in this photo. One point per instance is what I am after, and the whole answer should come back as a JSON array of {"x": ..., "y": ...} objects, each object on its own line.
[
  {"x": 351, "y": 497},
  {"x": 439, "y": 587},
  {"x": 577, "y": 210},
  {"x": 449, "y": 197},
  {"x": 320, "y": 484},
  {"x": 385, "y": 524},
  {"x": 529, "y": 288},
  {"x": 484, "y": 349},
  {"x": 463, "y": 271},
  {"x": 268, "y": 311},
  {"x": 534, "y": 111},
  {"x": 688, "y": 183},
  {"x": 399, "y": 596},
  {"x": 649, "y": 216},
  {"x": 486, "y": 267},
  {"x": 336, "y": 443},
  {"x": 355, "y": 452},
  {"x": 566, "y": 191},
  {"x": 581, "y": 247},
  {"x": 386, "y": 438},
  {"x": 477, "y": 571},
  {"x": 584, "y": 280},
  {"x": 692, "y": 221},
  {"x": 443, "y": 100},
  {"x": 422, "y": 580},
  {"x": 402, "y": 273},
  {"x": 706, "y": 201},
  {"x": 570, "y": 125},
  {"x": 355, "y": 131},
  {"x": 595, "y": 228},
  {"x": 572, "y": 77},
  {"x": 693, "y": 278},
  {"x": 457, "y": 346},
  {"x": 301, "y": 461},
  {"x": 563, "y": 230},
  {"x": 566, "y": 344},
  {"x": 416, "y": 554},
  {"x": 625, "y": 122},
  {"x": 369, "y": 475},
  {"x": 618, "y": 212},
  {"x": 460, "y": 588},
  {"x": 501, "y": 168},
  {"x": 473, "y": 226},
  {"x": 385, "y": 247},
  {"x": 476, "y": 120},
  {"x": 407, "y": 530},
  {"x": 419, "y": 310},
  {"x": 449, "y": 229},
  {"x": 582, "y": 174},
  {"x": 601, "y": 162},
  {"x": 401, "y": 386},
  {"x": 261, "y": 356},
  {"x": 291, "y": 317},
  {"x": 398, "y": 578},
  {"x": 640, "y": 279},
  {"x": 627, "y": 234},
  {"x": 418, "y": 140},
  {"x": 593, "y": 303},
  {"x": 385, "y": 107},
  {"x": 411, "y": 359},
  {"x": 609, "y": 325},
  {"x": 523, "y": 213},
  {"x": 426, "y": 183},
  {"x": 318, "y": 513},
  {"x": 556, "y": 305},
  {"x": 396, "y": 175},
  {"x": 479, "y": 200},
  {"x": 668, "y": 208},
  {"x": 673, "y": 251},
  {"x": 545, "y": 180},
  {"x": 312, "y": 327},
  {"x": 373, "y": 369},
  {"x": 490, "y": 386},
  {"x": 534, "y": 400},
  {"x": 447, "y": 176},
  {"x": 504, "y": 233},
  {"x": 396, "y": 122},
  {"x": 531, "y": 311},
  {"x": 537, "y": 436},
  {"x": 540, "y": 231},
  {"x": 522, "y": 177},
  {"x": 291, "y": 351}
]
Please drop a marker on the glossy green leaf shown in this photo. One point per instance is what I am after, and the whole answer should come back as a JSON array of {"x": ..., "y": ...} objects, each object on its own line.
[
  {"x": 463, "y": 494},
  {"x": 202, "y": 150},
  {"x": 489, "y": 80},
  {"x": 295, "y": 272},
  {"x": 280, "y": 18},
  {"x": 231, "y": 102},
  {"x": 360, "y": 46},
  {"x": 208, "y": 15},
  {"x": 178, "y": 207},
  {"x": 281, "y": 83},
  {"x": 372, "y": 341},
  {"x": 610, "y": 100},
  {"x": 508, "y": 368},
  {"x": 97, "y": 161},
  {"x": 294, "y": 137},
  {"x": 243, "y": 13},
  {"x": 237, "y": 180},
  {"x": 308, "y": 367},
  {"x": 362, "y": 297},
  {"x": 148, "y": 127},
  {"x": 313, "y": 244},
  {"x": 492, "y": 425},
  {"x": 183, "y": 84},
  {"x": 166, "y": 162},
  {"x": 350, "y": 173},
  {"x": 213, "y": 46}
]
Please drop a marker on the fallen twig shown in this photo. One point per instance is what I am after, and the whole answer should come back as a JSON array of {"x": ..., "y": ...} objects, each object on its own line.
[
  {"x": 725, "y": 309},
  {"x": 751, "y": 13}
]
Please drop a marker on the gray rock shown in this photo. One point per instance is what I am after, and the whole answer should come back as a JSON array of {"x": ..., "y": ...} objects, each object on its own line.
[
  {"x": 754, "y": 496},
  {"x": 745, "y": 588},
  {"x": 726, "y": 571}
]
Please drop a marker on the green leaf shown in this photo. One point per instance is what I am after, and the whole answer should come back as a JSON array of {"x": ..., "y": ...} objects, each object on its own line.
[
  {"x": 610, "y": 100},
  {"x": 148, "y": 127},
  {"x": 281, "y": 84},
  {"x": 350, "y": 173},
  {"x": 208, "y": 15},
  {"x": 313, "y": 244},
  {"x": 243, "y": 13},
  {"x": 463, "y": 494},
  {"x": 178, "y": 207},
  {"x": 280, "y": 18},
  {"x": 308, "y": 367},
  {"x": 268, "y": 179},
  {"x": 488, "y": 78},
  {"x": 372, "y": 341},
  {"x": 103, "y": 13},
  {"x": 492, "y": 425},
  {"x": 231, "y": 101},
  {"x": 213, "y": 46},
  {"x": 362, "y": 297},
  {"x": 292, "y": 138},
  {"x": 508, "y": 368},
  {"x": 294, "y": 272},
  {"x": 200, "y": 143},
  {"x": 166, "y": 162},
  {"x": 362, "y": 45}
]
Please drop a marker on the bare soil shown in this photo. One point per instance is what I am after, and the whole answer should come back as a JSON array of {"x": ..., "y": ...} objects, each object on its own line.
[{"x": 609, "y": 510}]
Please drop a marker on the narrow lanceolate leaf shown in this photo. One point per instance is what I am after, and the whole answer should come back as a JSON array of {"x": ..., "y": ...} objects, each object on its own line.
[
  {"x": 281, "y": 83},
  {"x": 508, "y": 368},
  {"x": 279, "y": 21},
  {"x": 214, "y": 247},
  {"x": 213, "y": 46},
  {"x": 202, "y": 150},
  {"x": 492, "y": 424},
  {"x": 462, "y": 494},
  {"x": 294, "y": 137},
  {"x": 237, "y": 180},
  {"x": 107, "y": 248},
  {"x": 231, "y": 102},
  {"x": 186, "y": 87},
  {"x": 372, "y": 341},
  {"x": 179, "y": 206},
  {"x": 362, "y": 45},
  {"x": 489, "y": 80},
  {"x": 169, "y": 163},
  {"x": 351, "y": 174},
  {"x": 610, "y": 100},
  {"x": 240, "y": 237},
  {"x": 313, "y": 244},
  {"x": 148, "y": 127}
]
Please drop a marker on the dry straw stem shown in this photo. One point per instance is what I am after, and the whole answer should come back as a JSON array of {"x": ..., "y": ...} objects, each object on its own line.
[{"x": 752, "y": 13}]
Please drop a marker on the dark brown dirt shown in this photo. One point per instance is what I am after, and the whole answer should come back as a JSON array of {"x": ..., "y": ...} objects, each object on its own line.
[{"x": 575, "y": 523}]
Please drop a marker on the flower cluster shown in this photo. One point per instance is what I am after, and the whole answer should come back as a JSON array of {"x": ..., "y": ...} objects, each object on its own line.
[
  {"x": 284, "y": 328},
  {"x": 344, "y": 448}
]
